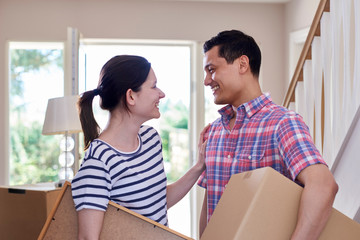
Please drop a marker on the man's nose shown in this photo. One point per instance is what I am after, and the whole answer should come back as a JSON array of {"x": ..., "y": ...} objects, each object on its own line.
[{"x": 207, "y": 80}]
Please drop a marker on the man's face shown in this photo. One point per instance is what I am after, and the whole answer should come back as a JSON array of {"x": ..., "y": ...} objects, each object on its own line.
[{"x": 224, "y": 79}]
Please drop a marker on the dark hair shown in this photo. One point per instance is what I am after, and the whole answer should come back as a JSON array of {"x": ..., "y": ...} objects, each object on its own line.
[
  {"x": 233, "y": 44},
  {"x": 119, "y": 74}
]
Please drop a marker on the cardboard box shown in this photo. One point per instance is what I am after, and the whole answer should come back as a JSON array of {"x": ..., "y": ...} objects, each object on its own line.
[
  {"x": 263, "y": 204},
  {"x": 119, "y": 223},
  {"x": 24, "y": 209}
]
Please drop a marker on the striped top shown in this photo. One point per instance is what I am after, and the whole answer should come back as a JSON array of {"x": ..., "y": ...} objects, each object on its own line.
[
  {"x": 264, "y": 135},
  {"x": 135, "y": 180}
]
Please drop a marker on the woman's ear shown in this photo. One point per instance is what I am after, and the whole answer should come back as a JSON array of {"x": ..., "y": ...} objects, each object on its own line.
[
  {"x": 130, "y": 97},
  {"x": 243, "y": 64}
]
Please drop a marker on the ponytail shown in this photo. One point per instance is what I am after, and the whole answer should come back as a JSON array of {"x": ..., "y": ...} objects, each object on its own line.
[{"x": 89, "y": 125}]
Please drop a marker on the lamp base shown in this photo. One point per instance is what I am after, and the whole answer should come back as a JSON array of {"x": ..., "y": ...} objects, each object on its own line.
[{"x": 60, "y": 183}]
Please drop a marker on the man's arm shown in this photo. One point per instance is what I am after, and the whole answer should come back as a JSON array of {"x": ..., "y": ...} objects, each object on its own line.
[
  {"x": 316, "y": 201},
  {"x": 203, "y": 215}
]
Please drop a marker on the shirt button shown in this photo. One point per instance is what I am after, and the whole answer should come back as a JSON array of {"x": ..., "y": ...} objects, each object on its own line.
[
  {"x": 249, "y": 157},
  {"x": 229, "y": 156}
]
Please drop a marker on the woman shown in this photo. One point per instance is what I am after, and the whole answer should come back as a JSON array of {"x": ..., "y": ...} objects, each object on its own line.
[{"x": 124, "y": 162}]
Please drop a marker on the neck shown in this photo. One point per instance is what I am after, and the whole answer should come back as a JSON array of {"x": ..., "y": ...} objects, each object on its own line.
[
  {"x": 250, "y": 92},
  {"x": 121, "y": 132}
]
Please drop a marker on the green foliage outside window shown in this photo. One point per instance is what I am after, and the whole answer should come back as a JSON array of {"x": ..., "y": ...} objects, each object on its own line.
[
  {"x": 174, "y": 122},
  {"x": 33, "y": 157}
]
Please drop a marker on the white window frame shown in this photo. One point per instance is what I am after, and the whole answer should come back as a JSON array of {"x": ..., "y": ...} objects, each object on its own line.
[{"x": 5, "y": 165}]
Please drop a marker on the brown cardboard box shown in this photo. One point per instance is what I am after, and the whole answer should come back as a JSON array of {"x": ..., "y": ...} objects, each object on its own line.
[
  {"x": 24, "y": 209},
  {"x": 119, "y": 223},
  {"x": 263, "y": 204}
]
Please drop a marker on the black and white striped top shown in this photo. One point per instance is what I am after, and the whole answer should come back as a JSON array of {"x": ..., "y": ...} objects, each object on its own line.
[{"x": 135, "y": 180}]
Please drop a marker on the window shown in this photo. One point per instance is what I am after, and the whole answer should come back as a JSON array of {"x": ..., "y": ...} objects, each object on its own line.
[
  {"x": 36, "y": 74},
  {"x": 211, "y": 109}
]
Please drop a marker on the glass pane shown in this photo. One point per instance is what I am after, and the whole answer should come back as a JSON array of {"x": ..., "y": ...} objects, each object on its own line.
[
  {"x": 211, "y": 109},
  {"x": 172, "y": 68},
  {"x": 36, "y": 74}
]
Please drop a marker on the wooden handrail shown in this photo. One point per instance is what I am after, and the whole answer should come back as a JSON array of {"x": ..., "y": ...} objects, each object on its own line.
[{"x": 324, "y": 6}]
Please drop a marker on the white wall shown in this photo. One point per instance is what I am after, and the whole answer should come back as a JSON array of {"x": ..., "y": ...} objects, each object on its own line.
[
  {"x": 295, "y": 20},
  {"x": 346, "y": 172},
  {"x": 299, "y": 15}
]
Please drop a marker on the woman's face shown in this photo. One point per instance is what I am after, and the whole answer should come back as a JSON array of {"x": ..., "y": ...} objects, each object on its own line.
[{"x": 148, "y": 98}]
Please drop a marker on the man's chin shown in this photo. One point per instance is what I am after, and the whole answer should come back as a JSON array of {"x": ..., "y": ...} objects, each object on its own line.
[{"x": 218, "y": 102}]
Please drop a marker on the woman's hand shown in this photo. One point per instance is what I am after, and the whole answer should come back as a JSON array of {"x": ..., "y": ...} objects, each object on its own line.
[{"x": 202, "y": 147}]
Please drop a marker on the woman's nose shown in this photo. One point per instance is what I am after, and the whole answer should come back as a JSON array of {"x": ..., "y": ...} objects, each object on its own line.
[{"x": 162, "y": 94}]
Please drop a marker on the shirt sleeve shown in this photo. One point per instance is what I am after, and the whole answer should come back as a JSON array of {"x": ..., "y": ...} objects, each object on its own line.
[
  {"x": 91, "y": 186},
  {"x": 202, "y": 180},
  {"x": 296, "y": 145}
]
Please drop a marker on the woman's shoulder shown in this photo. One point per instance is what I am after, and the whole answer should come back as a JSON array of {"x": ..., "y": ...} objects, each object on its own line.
[
  {"x": 146, "y": 129},
  {"x": 149, "y": 134},
  {"x": 97, "y": 149}
]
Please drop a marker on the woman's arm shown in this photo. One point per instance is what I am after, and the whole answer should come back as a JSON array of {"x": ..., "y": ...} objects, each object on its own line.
[
  {"x": 177, "y": 190},
  {"x": 90, "y": 223}
]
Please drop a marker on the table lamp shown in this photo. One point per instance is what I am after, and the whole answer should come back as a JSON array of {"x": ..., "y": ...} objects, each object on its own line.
[{"x": 62, "y": 118}]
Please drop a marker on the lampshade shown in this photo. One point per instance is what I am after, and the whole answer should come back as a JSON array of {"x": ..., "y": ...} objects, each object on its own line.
[{"x": 62, "y": 116}]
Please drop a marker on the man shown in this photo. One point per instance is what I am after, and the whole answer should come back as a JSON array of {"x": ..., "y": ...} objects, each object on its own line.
[{"x": 253, "y": 132}]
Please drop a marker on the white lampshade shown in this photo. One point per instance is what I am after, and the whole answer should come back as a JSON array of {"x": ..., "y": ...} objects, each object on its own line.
[{"x": 62, "y": 116}]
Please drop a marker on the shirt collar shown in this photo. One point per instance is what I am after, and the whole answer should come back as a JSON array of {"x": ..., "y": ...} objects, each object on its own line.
[{"x": 250, "y": 107}]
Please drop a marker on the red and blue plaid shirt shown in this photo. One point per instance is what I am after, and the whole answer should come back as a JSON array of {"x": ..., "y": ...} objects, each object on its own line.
[{"x": 264, "y": 134}]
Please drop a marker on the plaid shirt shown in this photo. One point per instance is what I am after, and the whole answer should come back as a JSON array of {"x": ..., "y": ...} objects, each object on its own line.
[{"x": 264, "y": 134}]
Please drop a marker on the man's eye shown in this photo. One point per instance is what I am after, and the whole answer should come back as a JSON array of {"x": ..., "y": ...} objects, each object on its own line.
[{"x": 211, "y": 70}]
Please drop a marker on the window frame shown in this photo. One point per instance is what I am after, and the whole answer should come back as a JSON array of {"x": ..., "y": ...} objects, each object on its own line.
[
  {"x": 197, "y": 109},
  {"x": 5, "y": 171}
]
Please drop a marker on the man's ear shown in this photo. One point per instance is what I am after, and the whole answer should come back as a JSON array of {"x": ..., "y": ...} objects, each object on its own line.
[
  {"x": 130, "y": 97},
  {"x": 244, "y": 64}
]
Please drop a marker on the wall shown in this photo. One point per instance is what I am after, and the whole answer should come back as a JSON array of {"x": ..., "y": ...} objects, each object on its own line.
[
  {"x": 299, "y": 15},
  {"x": 47, "y": 20},
  {"x": 346, "y": 172}
]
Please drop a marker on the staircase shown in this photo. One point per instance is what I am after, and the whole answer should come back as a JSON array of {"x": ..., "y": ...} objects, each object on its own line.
[{"x": 325, "y": 90}]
